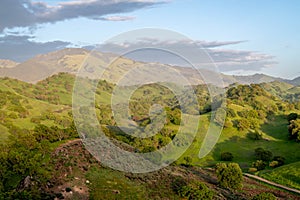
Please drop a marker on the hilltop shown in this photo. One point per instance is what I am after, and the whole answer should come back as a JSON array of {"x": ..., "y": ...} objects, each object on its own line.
[{"x": 71, "y": 60}]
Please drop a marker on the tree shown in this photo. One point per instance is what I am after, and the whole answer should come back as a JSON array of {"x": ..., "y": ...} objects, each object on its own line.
[
  {"x": 195, "y": 191},
  {"x": 243, "y": 124},
  {"x": 226, "y": 156},
  {"x": 259, "y": 165},
  {"x": 294, "y": 129},
  {"x": 263, "y": 155},
  {"x": 255, "y": 135},
  {"x": 292, "y": 116},
  {"x": 229, "y": 175},
  {"x": 280, "y": 160}
]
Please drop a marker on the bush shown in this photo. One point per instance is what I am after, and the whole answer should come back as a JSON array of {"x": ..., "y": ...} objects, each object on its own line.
[
  {"x": 292, "y": 116},
  {"x": 259, "y": 165},
  {"x": 294, "y": 129},
  {"x": 228, "y": 123},
  {"x": 243, "y": 124},
  {"x": 188, "y": 161},
  {"x": 229, "y": 175},
  {"x": 264, "y": 196},
  {"x": 252, "y": 170},
  {"x": 255, "y": 135},
  {"x": 226, "y": 156},
  {"x": 274, "y": 164},
  {"x": 263, "y": 155},
  {"x": 195, "y": 191},
  {"x": 231, "y": 113},
  {"x": 280, "y": 160}
]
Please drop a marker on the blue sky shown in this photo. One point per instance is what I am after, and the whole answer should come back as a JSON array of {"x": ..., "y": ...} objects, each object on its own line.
[{"x": 268, "y": 27}]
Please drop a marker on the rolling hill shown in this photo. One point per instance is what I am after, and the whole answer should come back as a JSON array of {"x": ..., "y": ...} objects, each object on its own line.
[
  {"x": 35, "y": 118},
  {"x": 71, "y": 60}
]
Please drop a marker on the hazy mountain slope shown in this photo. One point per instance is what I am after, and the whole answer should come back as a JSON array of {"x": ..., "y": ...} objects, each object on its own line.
[
  {"x": 71, "y": 60},
  {"x": 7, "y": 64},
  {"x": 295, "y": 81},
  {"x": 256, "y": 78}
]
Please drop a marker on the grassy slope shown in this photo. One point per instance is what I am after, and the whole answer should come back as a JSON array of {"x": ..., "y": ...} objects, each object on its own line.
[
  {"x": 231, "y": 139},
  {"x": 237, "y": 142},
  {"x": 288, "y": 175}
]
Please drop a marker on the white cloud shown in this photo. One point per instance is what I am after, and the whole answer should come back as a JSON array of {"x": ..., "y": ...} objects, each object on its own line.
[
  {"x": 115, "y": 18},
  {"x": 225, "y": 59},
  {"x": 25, "y": 13}
]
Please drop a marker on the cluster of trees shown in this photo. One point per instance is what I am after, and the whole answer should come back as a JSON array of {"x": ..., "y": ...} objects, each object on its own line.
[
  {"x": 251, "y": 96},
  {"x": 25, "y": 165},
  {"x": 265, "y": 158}
]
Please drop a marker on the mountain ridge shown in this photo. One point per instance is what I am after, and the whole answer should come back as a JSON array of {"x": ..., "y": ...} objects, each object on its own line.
[{"x": 70, "y": 60}]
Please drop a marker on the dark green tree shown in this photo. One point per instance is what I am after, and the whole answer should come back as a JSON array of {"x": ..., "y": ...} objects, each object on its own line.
[{"x": 230, "y": 175}]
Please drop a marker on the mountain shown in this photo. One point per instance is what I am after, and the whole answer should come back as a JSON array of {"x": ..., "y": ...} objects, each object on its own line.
[
  {"x": 7, "y": 64},
  {"x": 71, "y": 59},
  {"x": 257, "y": 78},
  {"x": 295, "y": 81}
]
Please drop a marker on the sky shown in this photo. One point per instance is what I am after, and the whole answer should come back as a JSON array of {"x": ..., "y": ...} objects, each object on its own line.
[{"x": 242, "y": 37}]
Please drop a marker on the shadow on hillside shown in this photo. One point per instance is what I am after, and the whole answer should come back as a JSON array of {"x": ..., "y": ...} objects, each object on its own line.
[{"x": 276, "y": 127}]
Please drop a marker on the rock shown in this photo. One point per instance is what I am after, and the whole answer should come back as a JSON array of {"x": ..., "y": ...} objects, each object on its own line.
[{"x": 24, "y": 184}]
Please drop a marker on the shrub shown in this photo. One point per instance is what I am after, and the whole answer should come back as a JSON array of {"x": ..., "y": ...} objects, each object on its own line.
[
  {"x": 228, "y": 123},
  {"x": 274, "y": 164},
  {"x": 252, "y": 170},
  {"x": 263, "y": 155},
  {"x": 259, "y": 165},
  {"x": 188, "y": 160},
  {"x": 195, "y": 191},
  {"x": 226, "y": 156},
  {"x": 294, "y": 129},
  {"x": 229, "y": 175},
  {"x": 264, "y": 196},
  {"x": 280, "y": 160},
  {"x": 231, "y": 113},
  {"x": 292, "y": 116},
  {"x": 243, "y": 124},
  {"x": 255, "y": 135}
]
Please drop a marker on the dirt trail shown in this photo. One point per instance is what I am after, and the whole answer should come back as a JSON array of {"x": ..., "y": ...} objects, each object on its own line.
[{"x": 272, "y": 183}]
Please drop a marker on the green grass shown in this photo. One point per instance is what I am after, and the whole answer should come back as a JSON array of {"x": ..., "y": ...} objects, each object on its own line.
[
  {"x": 242, "y": 148},
  {"x": 111, "y": 184},
  {"x": 288, "y": 175}
]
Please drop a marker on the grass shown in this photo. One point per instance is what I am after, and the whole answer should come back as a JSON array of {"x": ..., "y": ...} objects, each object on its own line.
[
  {"x": 288, "y": 175},
  {"x": 242, "y": 148},
  {"x": 3, "y": 133},
  {"x": 111, "y": 184},
  {"x": 231, "y": 140}
]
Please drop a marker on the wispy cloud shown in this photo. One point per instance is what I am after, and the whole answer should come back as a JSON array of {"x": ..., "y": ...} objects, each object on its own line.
[
  {"x": 226, "y": 59},
  {"x": 20, "y": 48},
  {"x": 115, "y": 18},
  {"x": 25, "y": 13}
]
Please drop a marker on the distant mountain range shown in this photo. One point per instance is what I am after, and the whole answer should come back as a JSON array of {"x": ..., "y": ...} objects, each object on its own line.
[{"x": 70, "y": 60}]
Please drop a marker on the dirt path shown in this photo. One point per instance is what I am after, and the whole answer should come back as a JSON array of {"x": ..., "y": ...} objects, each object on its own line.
[{"x": 272, "y": 183}]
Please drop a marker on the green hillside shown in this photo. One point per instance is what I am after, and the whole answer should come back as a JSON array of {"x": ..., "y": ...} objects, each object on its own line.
[
  {"x": 288, "y": 175},
  {"x": 36, "y": 118}
]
